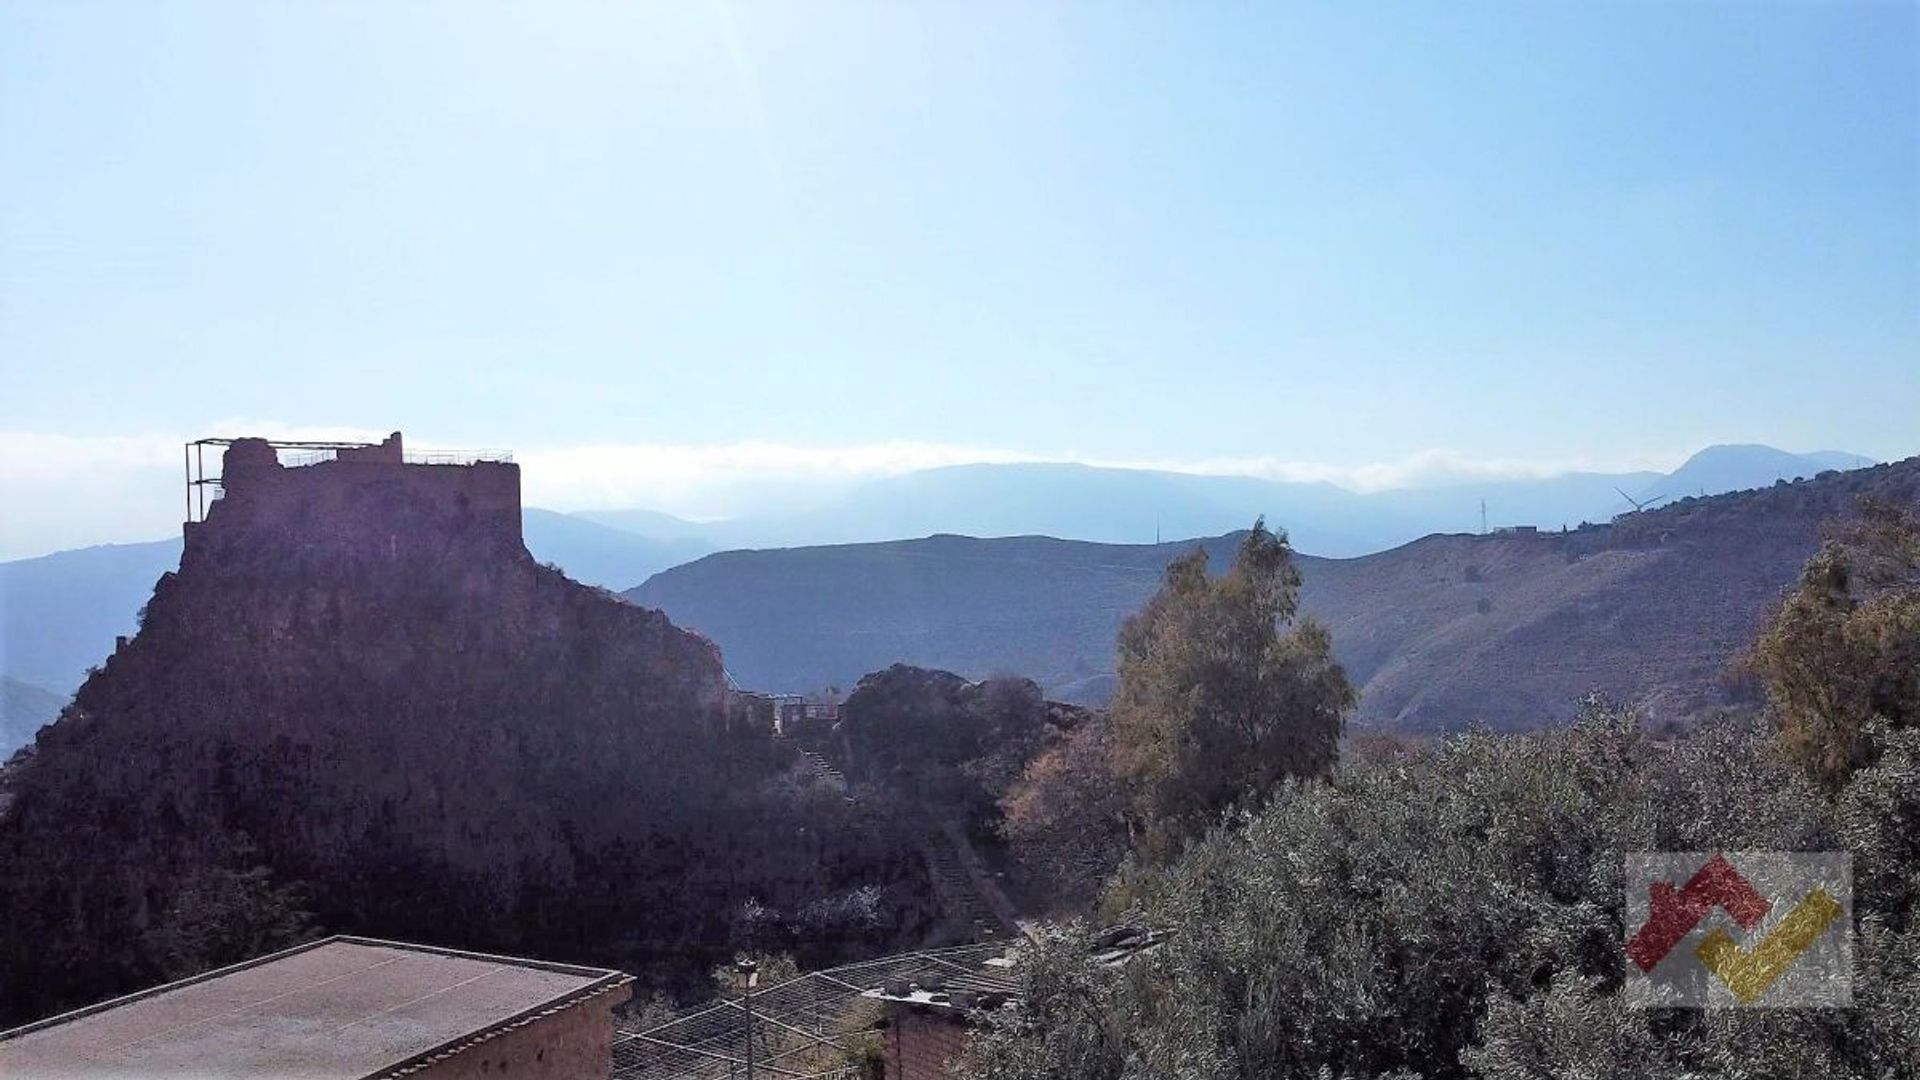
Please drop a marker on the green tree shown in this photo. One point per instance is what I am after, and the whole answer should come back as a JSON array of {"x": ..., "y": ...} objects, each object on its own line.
[
  {"x": 940, "y": 741},
  {"x": 1843, "y": 650},
  {"x": 1224, "y": 691}
]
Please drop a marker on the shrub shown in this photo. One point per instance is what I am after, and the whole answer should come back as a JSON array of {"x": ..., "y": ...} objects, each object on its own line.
[{"x": 1460, "y": 911}]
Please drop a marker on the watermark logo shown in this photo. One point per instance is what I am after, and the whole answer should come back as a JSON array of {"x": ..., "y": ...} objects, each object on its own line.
[{"x": 1762, "y": 929}]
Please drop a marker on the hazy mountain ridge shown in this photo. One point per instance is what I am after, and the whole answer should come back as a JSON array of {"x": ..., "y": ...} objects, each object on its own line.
[
  {"x": 1724, "y": 468},
  {"x": 1134, "y": 506},
  {"x": 656, "y": 524},
  {"x": 24, "y": 709},
  {"x": 602, "y": 555},
  {"x": 59, "y": 613},
  {"x": 1451, "y": 629}
]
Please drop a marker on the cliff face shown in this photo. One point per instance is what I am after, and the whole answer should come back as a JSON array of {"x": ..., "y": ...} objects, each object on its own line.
[
  {"x": 361, "y": 697},
  {"x": 383, "y": 669}
]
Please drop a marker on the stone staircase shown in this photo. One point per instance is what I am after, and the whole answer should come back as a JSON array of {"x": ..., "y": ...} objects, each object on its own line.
[
  {"x": 969, "y": 916},
  {"x": 820, "y": 767},
  {"x": 958, "y": 878}
]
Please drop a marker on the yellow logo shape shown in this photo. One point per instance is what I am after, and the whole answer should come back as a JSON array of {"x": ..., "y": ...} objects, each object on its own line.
[{"x": 1749, "y": 974}]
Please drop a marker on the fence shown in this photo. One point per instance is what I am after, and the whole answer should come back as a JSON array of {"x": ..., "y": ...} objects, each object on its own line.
[
  {"x": 812, "y": 1027},
  {"x": 304, "y": 458}
]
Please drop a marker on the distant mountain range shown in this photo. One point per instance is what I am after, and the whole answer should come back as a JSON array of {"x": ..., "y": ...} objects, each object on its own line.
[
  {"x": 600, "y": 555},
  {"x": 1719, "y": 469},
  {"x": 1507, "y": 629},
  {"x": 1134, "y": 506}
]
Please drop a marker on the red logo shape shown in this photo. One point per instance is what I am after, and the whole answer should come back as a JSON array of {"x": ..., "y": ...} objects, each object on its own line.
[{"x": 1673, "y": 913}]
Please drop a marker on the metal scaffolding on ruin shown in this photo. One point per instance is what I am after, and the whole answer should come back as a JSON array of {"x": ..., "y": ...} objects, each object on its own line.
[
  {"x": 204, "y": 480},
  {"x": 200, "y": 481},
  {"x": 810, "y": 1027}
]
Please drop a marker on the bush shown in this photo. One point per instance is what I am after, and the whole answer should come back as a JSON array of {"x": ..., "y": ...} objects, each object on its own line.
[
  {"x": 1842, "y": 652},
  {"x": 1460, "y": 911}
]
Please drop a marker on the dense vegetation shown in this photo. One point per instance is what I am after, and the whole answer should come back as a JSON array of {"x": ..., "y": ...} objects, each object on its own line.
[
  {"x": 403, "y": 729},
  {"x": 1459, "y": 909},
  {"x": 943, "y": 745}
]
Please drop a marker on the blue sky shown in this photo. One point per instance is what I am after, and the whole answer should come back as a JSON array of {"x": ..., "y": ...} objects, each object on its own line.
[{"x": 663, "y": 247}]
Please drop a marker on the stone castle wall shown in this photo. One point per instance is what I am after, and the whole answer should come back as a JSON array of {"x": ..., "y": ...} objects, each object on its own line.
[{"x": 364, "y": 494}]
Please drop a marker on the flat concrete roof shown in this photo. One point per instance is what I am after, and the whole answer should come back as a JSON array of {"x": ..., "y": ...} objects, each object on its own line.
[{"x": 339, "y": 1009}]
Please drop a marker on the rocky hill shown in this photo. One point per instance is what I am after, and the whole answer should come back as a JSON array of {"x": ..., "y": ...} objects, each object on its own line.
[
  {"x": 1506, "y": 629},
  {"x": 360, "y": 704},
  {"x": 60, "y": 613}
]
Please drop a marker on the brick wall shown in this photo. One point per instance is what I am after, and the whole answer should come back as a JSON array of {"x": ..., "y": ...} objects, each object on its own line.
[
  {"x": 920, "y": 1042},
  {"x": 574, "y": 1044}
]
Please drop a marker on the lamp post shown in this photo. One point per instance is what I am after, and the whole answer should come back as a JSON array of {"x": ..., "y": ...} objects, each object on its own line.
[{"x": 749, "y": 977}]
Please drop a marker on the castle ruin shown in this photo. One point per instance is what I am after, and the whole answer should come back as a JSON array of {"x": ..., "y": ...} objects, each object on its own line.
[{"x": 350, "y": 491}]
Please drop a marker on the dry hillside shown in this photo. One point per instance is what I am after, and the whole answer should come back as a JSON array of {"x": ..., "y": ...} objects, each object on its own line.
[{"x": 1508, "y": 630}]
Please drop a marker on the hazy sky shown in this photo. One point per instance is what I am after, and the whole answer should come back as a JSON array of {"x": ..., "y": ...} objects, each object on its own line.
[{"x": 662, "y": 248}]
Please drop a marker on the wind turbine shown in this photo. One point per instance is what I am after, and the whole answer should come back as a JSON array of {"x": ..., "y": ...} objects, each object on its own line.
[{"x": 1640, "y": 504}]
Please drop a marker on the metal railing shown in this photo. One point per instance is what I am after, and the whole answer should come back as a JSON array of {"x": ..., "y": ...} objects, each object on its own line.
[
  {"x": 456, "y": 457},
  {"x": 410, "y": 457}
]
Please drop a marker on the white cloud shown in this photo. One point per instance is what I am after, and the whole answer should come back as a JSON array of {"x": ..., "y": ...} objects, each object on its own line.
[
  {"x": 1424, "y": 468},
  {"x": 722, "y": 480},
  {"x": 65, "y": 491},
  {"x": 726, "y": 479},
  {"x": 68, "y": 491}
]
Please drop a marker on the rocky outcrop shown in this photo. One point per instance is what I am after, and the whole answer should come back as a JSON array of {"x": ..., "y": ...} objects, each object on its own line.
[{"x": 360, "y": 704}]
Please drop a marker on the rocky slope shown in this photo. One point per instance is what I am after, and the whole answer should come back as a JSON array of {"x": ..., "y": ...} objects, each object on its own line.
[{"x": 59, "y": 613}]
